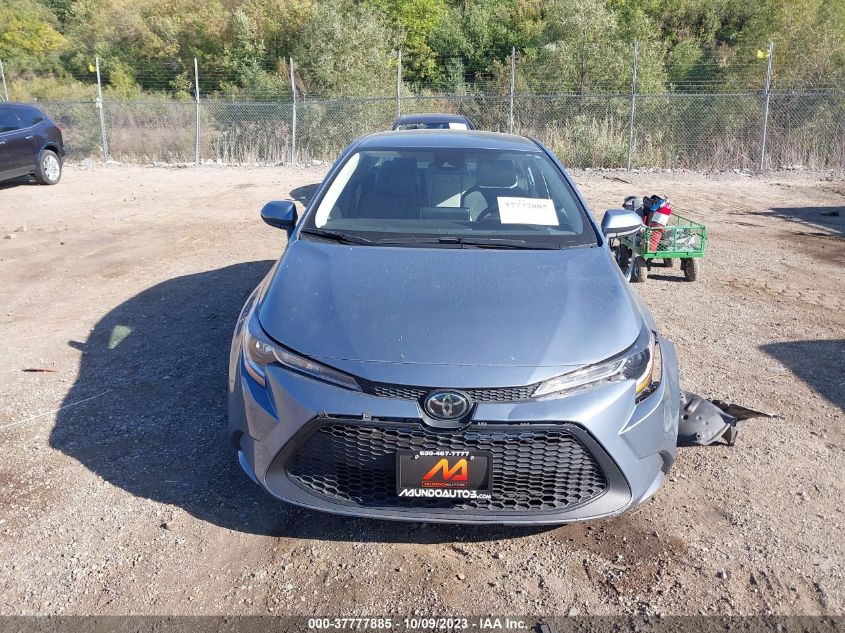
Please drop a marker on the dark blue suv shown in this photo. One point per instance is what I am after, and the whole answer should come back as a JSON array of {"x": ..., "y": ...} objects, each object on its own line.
[{"x": 30, "y": 144}]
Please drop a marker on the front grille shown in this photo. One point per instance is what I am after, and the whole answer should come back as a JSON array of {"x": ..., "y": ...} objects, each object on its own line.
[
  {"x": 410, "y": 392},
  {"x": 542, "y": 469}
]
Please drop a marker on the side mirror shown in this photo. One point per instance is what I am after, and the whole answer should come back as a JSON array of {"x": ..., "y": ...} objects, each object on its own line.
[
  {"x": 280, "y": 213},
  {"x": 620, "y": 222}
]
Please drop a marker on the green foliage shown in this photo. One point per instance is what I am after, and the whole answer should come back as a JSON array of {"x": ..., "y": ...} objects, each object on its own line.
[
  {"x": 481, "y": 31},
  {"x": 152, "y": 43},
  {"x": 29, "y": 39},
  {"x": 348, "y": 47},
  {"x": 580, "y": 42},
  {"x": 61, "y": 8},
  {"x": 414, "y": 20},
  {"x": 247, "y": 51},
  {"x": 809, "y": 38},
  {"x": 345, "y": 49}
]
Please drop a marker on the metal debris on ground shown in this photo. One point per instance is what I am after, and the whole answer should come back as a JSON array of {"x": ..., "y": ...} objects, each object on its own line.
[{"x": 704, "y": 421}]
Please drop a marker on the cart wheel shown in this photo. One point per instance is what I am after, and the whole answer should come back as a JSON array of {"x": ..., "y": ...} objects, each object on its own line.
[
  {"x": 692, "y": 268},
  {"x": 640, "y": 270},
  {"x": 668, "y": 262}
]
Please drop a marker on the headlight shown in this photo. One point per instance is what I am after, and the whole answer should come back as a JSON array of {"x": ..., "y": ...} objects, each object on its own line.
[
  {"x": 259, "y": 351},
  {"x": 637, "y": 364}
]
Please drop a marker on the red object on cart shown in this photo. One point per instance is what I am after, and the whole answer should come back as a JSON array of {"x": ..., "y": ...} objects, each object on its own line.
[{"x": 658, "y": 217}]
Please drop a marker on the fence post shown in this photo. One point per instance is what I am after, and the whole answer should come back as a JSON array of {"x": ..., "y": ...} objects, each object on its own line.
[
  {"x": 633, "y": 102},
  {"x": 766, "y": 108},
  {"x": 293, "y": 126},
  {"x": 99, "y": 105},
  {"x": 399, "y": 83},
  {"x": 3, "y": 77},
  {"x": 197, "y": 97},
  {"x": 513, "y": 87}
]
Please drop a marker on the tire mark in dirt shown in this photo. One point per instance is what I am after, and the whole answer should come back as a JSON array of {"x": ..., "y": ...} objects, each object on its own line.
[
  {"x": 781, "y": 290},
  {"x": 627, "y": 557}
]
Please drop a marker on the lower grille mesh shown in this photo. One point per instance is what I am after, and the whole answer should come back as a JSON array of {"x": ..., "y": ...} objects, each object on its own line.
[{"x": 542, "y": 469}]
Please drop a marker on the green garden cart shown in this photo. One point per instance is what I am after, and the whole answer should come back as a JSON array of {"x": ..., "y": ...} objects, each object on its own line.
[{"x": 681, "y": 239}]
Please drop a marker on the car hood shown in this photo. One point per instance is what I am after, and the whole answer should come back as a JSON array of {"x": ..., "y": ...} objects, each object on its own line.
[{"x": 449, "y": 306}]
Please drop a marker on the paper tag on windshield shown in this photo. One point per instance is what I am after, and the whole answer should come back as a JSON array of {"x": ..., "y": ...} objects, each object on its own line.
[{"x": 527, "y": 211}]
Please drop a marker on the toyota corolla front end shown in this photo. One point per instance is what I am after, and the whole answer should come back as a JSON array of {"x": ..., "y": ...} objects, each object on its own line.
[{"x": 447, "y": 338}]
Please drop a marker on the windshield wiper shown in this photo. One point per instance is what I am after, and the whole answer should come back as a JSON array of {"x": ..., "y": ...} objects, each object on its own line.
[
  {"x": 496, "y": 242},
  {"x": 472, "y": 242},
  {"x": 335, "y": 236},
  {"x": 446, "y": 240}
]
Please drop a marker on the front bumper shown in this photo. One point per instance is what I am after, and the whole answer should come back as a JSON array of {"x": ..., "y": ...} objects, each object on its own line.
[{"x": 615, "y": 453}]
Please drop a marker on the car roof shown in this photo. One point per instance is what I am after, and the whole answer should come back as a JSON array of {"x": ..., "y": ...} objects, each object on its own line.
[
  {"x": 464, "y": 139},
  {"x": 433, "y": 117},
  {"x": 11, "y": 105}
]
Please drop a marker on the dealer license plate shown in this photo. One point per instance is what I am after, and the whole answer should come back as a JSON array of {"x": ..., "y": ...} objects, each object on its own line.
[{"x": 444, "y": 474}]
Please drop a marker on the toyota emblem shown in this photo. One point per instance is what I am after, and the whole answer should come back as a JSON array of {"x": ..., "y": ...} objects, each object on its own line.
[{"x": 446, "y": 405}]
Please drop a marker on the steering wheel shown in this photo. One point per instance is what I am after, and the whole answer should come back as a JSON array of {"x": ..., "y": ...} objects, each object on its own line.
[{"x": 488, "y": 213}]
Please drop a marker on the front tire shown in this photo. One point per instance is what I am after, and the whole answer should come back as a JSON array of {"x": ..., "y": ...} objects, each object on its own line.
[
  {"x": 48, "y": 171},
  {"x": 640, "y": 271},
  {"x": 623, "y": 257}
]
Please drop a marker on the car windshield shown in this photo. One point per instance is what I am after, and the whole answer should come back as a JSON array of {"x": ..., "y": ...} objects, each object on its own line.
[
  {"x": 473, "y": 196},
  {"x": 433, "y": 125}
]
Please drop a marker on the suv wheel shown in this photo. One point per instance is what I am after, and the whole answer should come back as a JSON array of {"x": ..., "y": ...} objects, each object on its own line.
[{"x": 49, "y": 168}]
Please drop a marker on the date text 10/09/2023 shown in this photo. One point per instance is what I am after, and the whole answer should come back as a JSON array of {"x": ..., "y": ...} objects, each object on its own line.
[{"x": 420, "y": 624}]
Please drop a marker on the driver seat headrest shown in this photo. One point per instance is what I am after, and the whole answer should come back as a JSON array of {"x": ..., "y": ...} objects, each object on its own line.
[
  {"x": 497, "y": 173},
  {"x": 397, "y": 177}
]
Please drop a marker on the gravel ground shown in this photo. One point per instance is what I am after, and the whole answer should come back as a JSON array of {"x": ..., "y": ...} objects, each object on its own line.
[{"x": 119, "y": 493}]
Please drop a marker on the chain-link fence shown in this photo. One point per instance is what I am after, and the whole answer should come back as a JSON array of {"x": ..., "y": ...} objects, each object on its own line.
[
  {"x": 689, "y": 128},
  {"x": 695, "y": 131}
]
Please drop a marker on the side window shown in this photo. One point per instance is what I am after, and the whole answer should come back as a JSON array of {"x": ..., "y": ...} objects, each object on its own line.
[
  {"x": 329, "y": 204},
  {"x": 9, "y": 121},
  {"x": 31, "y": 116}
]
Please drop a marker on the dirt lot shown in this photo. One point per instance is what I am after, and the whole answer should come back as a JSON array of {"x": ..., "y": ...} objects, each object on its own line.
[{"x": 120, "y": 494}]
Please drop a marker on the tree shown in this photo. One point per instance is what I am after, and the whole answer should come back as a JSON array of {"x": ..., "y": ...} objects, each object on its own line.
[
  {"x": 153, "y": 43},
  {"x": 414, "y": 21},
  {"x": 346, "y": 49},
  {"x": 809, "y": 37},
  {"x": 579, "y": 51},
  {"x": 475, "y": 38},
  {"x": 245, "y": 55},
  {"x": 29, "y": 36}
]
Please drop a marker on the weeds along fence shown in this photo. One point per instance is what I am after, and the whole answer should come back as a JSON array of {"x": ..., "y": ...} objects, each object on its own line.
[{"x": 695, "y": 131}]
